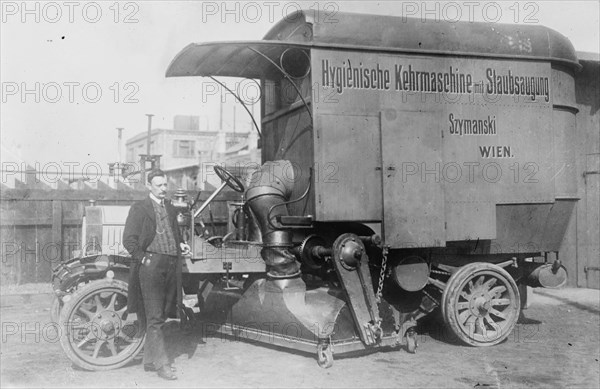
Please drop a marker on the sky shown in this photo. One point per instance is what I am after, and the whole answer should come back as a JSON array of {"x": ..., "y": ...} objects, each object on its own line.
[{"x": 72, "y": 73}]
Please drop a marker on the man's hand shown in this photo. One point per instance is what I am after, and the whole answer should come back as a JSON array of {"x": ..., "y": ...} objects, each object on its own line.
[{"x": 186, "y": 251}]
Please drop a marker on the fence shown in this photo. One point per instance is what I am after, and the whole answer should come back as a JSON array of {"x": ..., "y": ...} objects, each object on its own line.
[{"x": 40, "y": 228}]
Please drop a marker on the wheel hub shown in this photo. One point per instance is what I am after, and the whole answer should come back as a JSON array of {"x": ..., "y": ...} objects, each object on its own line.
[
  {"x": 480, "y": 304},
  {"x": 106, "y": 324}
]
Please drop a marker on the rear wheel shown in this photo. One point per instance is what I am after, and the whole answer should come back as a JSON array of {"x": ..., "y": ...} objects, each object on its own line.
[
  {"x": 97, "y": 333},
  {"x": 481, "y": 304}
]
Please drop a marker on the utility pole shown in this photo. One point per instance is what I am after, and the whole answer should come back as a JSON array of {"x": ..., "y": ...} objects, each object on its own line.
[
  {"x": 144, "y": 158},
  {"x": 119, "y": 144},
  {"x": 149, "y": 133}
]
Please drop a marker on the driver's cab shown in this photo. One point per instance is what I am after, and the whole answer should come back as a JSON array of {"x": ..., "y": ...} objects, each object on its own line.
[
  {"x": 238, "y": 251},
  {"x": 281, "y": 65}
]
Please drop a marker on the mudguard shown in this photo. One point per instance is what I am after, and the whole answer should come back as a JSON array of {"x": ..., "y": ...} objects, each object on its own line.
[{"x": 69, "y": 274}]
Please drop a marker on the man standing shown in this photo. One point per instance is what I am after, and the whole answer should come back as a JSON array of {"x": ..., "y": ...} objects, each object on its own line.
[{"x": 153, "y": 239}]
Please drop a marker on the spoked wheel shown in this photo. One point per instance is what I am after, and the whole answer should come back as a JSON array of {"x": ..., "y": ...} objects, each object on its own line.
[
  {"x": 324, "y": 355},
  {"x": 481, "y": 304},
  {"x": 96, "y": 332}
]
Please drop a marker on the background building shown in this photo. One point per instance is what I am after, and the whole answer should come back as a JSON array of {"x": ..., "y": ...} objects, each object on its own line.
[{"x": 185, "y": 147}]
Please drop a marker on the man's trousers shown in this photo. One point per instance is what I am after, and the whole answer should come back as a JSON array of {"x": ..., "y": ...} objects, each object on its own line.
[{"x": 158, "y": 282}]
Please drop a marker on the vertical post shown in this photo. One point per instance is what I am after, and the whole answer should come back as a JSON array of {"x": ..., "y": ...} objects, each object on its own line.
[
  {"x": 252, "y": 116},
  {"x": 148, "y": 140},
  {"x": 221, "y": 116},
  {"x": 234, "y": 122},
  {"x": 119, "y": 140},
  {"x": 57, "y": 228}
]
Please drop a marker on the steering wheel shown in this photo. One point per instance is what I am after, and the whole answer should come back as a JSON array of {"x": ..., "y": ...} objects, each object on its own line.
[{"x": 228, "y": 178}]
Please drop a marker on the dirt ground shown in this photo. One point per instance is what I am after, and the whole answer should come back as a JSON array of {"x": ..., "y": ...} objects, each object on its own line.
[{"x": 557, "y": 346}]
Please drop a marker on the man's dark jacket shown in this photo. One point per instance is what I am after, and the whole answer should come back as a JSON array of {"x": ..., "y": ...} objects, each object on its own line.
[{"x": 139, "y": 232}]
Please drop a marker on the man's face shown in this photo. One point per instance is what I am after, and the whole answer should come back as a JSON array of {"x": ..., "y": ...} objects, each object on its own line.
[{"x": 158, "y": 187}]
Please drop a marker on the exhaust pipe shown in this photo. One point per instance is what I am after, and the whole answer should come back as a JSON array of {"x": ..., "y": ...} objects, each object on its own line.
[{"x": 269, "y": 188}]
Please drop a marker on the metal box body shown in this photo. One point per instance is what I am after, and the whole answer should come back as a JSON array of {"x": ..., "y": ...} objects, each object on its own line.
[
  {"x": 465, "y": 163},
  {"x": 430, "y": 132},
  {"x": 415, "y": 160}
]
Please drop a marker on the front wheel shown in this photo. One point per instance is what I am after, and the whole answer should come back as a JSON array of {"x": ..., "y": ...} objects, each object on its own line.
[
  {"x": 55, "y": 309},
  {"x": 97, "y": 333},
  {"x": 481, "y": 304}
]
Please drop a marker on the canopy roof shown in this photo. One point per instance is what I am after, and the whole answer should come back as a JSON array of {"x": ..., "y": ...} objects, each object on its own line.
[
  {"x": 362, "y": 32},
  {"x": 229, "y": 59}
]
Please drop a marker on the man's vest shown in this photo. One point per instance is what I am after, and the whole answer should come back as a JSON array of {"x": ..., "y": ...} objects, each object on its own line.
[{"x": 164, "y": 240}]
